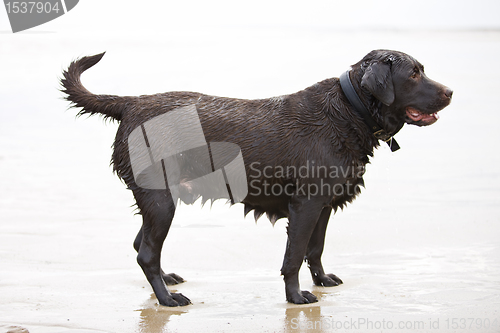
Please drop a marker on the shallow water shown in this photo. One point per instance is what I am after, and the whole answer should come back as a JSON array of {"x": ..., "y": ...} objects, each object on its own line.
[{"x": 418, "y": 251}]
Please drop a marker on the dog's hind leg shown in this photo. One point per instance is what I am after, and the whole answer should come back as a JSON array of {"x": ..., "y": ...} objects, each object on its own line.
[
  {"x": 315, "y": 250},
  {"x": 157, "y": 209},
  {"x": 171, "y": 278},
  {"x": 138, "y": 240}
]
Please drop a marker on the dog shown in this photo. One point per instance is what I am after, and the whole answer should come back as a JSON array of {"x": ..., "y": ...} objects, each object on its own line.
[{"x": 303, "y": 154}]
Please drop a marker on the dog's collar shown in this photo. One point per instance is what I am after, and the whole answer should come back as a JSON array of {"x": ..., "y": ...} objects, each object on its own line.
[{"x": 352, "y": 96}]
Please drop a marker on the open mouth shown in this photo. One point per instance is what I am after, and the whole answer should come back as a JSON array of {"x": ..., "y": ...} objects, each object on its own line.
[{"x": 420, "y": 118}]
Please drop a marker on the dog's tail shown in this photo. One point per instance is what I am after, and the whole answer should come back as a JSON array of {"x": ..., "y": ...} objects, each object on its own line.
[{"x": 108, "y": 106}]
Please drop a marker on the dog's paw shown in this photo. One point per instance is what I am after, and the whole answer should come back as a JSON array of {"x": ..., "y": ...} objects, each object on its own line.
[
  {"x": 181, "y": 299},
  {"x": 327, "y": 280},
  {"x": 171, "y": 279},
  {"x": 304, "y": 297},
  {"x": 175, "y": 299}
]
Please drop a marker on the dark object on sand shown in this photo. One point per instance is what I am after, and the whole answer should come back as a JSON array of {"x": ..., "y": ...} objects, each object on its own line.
[{"x": 304, "y": 154}]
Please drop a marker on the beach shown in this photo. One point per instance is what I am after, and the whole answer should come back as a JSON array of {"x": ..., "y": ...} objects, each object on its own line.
[{"x": 418, "y": 250}]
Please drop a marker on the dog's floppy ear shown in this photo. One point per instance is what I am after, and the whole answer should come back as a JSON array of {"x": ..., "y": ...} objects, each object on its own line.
[{"x": 378, "y": 80}]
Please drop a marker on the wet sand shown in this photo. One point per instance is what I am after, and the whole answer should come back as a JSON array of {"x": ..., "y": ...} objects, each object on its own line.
[{"x": 417, "y": 251}]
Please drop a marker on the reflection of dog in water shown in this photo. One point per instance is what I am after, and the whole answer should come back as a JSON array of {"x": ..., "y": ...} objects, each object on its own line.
[{"x": 320, "y": 123}]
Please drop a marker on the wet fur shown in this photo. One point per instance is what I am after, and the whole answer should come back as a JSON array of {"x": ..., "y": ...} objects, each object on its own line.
[{"x": 315, "y": 124}]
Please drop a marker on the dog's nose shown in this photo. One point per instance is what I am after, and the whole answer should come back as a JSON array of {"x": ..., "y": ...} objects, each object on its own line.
[{"x": 448, "y": 92}]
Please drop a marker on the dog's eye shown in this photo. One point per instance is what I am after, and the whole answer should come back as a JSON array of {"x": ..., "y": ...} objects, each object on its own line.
[{"x": 415, "y": 74}]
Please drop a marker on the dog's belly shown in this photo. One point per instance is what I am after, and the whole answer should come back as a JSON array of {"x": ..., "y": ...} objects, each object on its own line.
[{"x": 274, "y": 206}]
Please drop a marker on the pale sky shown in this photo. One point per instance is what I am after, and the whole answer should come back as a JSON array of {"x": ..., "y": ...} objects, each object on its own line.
[{"x": 129, "y": 15}]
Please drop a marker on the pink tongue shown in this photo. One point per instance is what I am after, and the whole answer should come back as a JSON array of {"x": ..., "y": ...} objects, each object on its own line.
[{"x": 433, "y": 116}]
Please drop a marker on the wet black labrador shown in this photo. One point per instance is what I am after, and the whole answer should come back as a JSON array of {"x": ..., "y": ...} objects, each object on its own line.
[{"x": 304, "y": 153}]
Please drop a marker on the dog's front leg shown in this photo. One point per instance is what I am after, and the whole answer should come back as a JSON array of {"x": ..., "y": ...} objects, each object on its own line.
[
  {"x": 304, "y": 214},
  {"x": 315, "y": 250}
]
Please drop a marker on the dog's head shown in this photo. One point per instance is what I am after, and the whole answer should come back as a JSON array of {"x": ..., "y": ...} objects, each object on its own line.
[{"x": 404, "y": 93}]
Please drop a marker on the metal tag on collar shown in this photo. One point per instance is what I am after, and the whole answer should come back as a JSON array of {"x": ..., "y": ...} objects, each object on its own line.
[{"x": 391, "y": 142}]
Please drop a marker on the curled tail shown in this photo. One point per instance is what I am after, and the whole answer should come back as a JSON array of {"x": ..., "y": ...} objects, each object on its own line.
[{"x": 106, "y": 105}]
